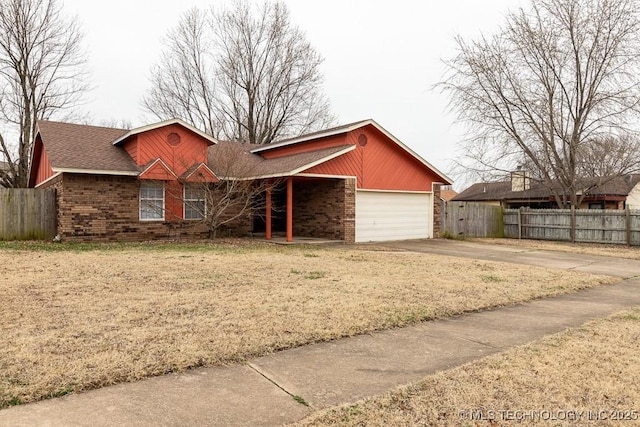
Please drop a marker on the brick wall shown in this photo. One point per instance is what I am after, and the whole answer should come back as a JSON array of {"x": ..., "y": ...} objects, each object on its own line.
[
  {"x": 106, "y": 208},
  {"x": 234, "y": 222},
  {"x": 320, "y": 208},
  {"x": 350, "y": 211}
]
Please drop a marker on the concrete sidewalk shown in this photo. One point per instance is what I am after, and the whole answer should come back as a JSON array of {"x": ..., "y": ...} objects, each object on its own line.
[{"x": 262, "y": 391}]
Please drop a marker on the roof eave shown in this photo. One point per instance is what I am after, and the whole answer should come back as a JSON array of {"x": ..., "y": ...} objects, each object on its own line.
[
  {"x": 160, "y": 162},
  {"x": 201, "y": 165},
  {"x": 95, "y": 171},
  {"x": 313, "y": 136},
  {"x": 164, "y": 123}
]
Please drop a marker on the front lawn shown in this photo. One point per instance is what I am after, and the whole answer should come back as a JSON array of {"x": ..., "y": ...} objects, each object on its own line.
[{"x": 76, "y": 317}]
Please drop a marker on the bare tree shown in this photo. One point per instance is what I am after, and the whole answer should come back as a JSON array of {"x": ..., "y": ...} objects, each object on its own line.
[
  {"x": 241, "y": 74},
  {"x": 41, "y": 73},
  {"x": 115, "y": 123},
  {"x": 556, "y": 82},
  {"x": 607, "y": 155},
  {"x": 238, "y": 194},
  {"x": 183, "y": 83}
]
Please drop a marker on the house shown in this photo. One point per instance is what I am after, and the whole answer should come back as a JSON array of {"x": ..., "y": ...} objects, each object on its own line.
[
  {"x": 355, "y": 183},
  {"x": 521, "y": 191},
  {"x": 447, "y": 193}
]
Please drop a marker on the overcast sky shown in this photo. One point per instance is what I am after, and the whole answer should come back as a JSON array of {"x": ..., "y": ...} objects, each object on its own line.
[{"x": 381, "y": 58}]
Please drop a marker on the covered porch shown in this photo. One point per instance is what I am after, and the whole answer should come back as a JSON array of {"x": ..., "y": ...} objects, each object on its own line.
[{"x": 306, "y": 209}]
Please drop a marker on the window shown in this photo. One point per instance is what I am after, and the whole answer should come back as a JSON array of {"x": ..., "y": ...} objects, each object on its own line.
[
  {"x": 195, "y": 206},
  {"x": 151, "y": 202}
]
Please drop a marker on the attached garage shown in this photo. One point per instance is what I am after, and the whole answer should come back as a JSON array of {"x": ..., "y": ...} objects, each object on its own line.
[
  {"x": 359, "y": 184},
  {"x": 393, "y": 215}
]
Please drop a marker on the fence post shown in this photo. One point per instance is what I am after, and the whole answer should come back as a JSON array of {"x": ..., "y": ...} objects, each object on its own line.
[
  {"x": 520, "y": 223},
  {"x": 573, "y": 224},
  {"x": 628, "y": 224}
]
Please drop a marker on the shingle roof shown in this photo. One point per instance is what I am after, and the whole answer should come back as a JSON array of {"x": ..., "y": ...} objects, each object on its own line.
[
  {"x": 448, "y": 194},
  {"x": 82, "y": 147},
  {"x": 73, "y": 146},
  {"x": 235, "y": 160},
  {"x": 487, "y": 191},
  {"x": 307, "y": 136},
  {"x": 210, "y": 139},
  {"x": 619, "y": 186}
]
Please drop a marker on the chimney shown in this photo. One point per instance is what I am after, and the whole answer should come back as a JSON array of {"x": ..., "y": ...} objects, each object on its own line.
[{"x": 520, "y": 180}]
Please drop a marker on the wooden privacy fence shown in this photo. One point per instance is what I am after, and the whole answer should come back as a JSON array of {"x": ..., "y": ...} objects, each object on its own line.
[
  {"x": 27, "y": 213},
  {"x": 468, "y": 219},
  {"x": 583, "y": 225}
]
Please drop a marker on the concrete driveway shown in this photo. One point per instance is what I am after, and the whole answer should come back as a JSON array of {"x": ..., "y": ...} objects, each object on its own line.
[{"x": 593, "y": 264}]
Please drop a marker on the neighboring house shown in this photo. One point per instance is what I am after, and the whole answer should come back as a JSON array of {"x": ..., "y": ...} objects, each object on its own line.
[
  {"x": 447, "y": 193},
  {"x": 354, "y": 183},
  {"x": 521, "y": 191}
]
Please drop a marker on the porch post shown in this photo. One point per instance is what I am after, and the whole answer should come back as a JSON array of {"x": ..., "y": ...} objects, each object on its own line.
[
  {"x": 268, "y": 216},
  {"x": 290, "y": 209}
]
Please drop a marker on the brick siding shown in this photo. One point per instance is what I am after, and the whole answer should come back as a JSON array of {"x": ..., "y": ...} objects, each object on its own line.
[
  {"x": 106, "y": 208},
  {"x": 350, "y": 210},
  {"x": 103, "y": 208},
  {"x": 324, "y": 208}
]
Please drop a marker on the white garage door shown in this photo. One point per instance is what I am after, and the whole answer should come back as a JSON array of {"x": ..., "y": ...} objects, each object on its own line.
[{"x": 393, "y": 216}]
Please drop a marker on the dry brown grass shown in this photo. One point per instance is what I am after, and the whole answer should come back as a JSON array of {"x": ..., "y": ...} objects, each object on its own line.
[
  {"x": 592, "y": 370},
  {"x": 77, "y": 319},
  {"x": 618, "y": 251}
]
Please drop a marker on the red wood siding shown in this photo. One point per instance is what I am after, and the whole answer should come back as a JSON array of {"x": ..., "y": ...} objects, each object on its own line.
[
  {"x": 153, "y": 144},
  {"x": 179, "y": 157},
  {"x": 157, "y": 172},
  {"x": 44, "y": 166},
  {"x": 380, "y": 165},
  {"x": 173, "y": 201},
  {"x": 131, "y": 146},
  {"x": 202, "y": 174}
]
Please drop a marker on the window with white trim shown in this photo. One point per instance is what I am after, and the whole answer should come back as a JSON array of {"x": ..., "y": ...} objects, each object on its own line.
[
  {"x": 195, "y": 206},
  {"x": 151, "y": 201}
]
